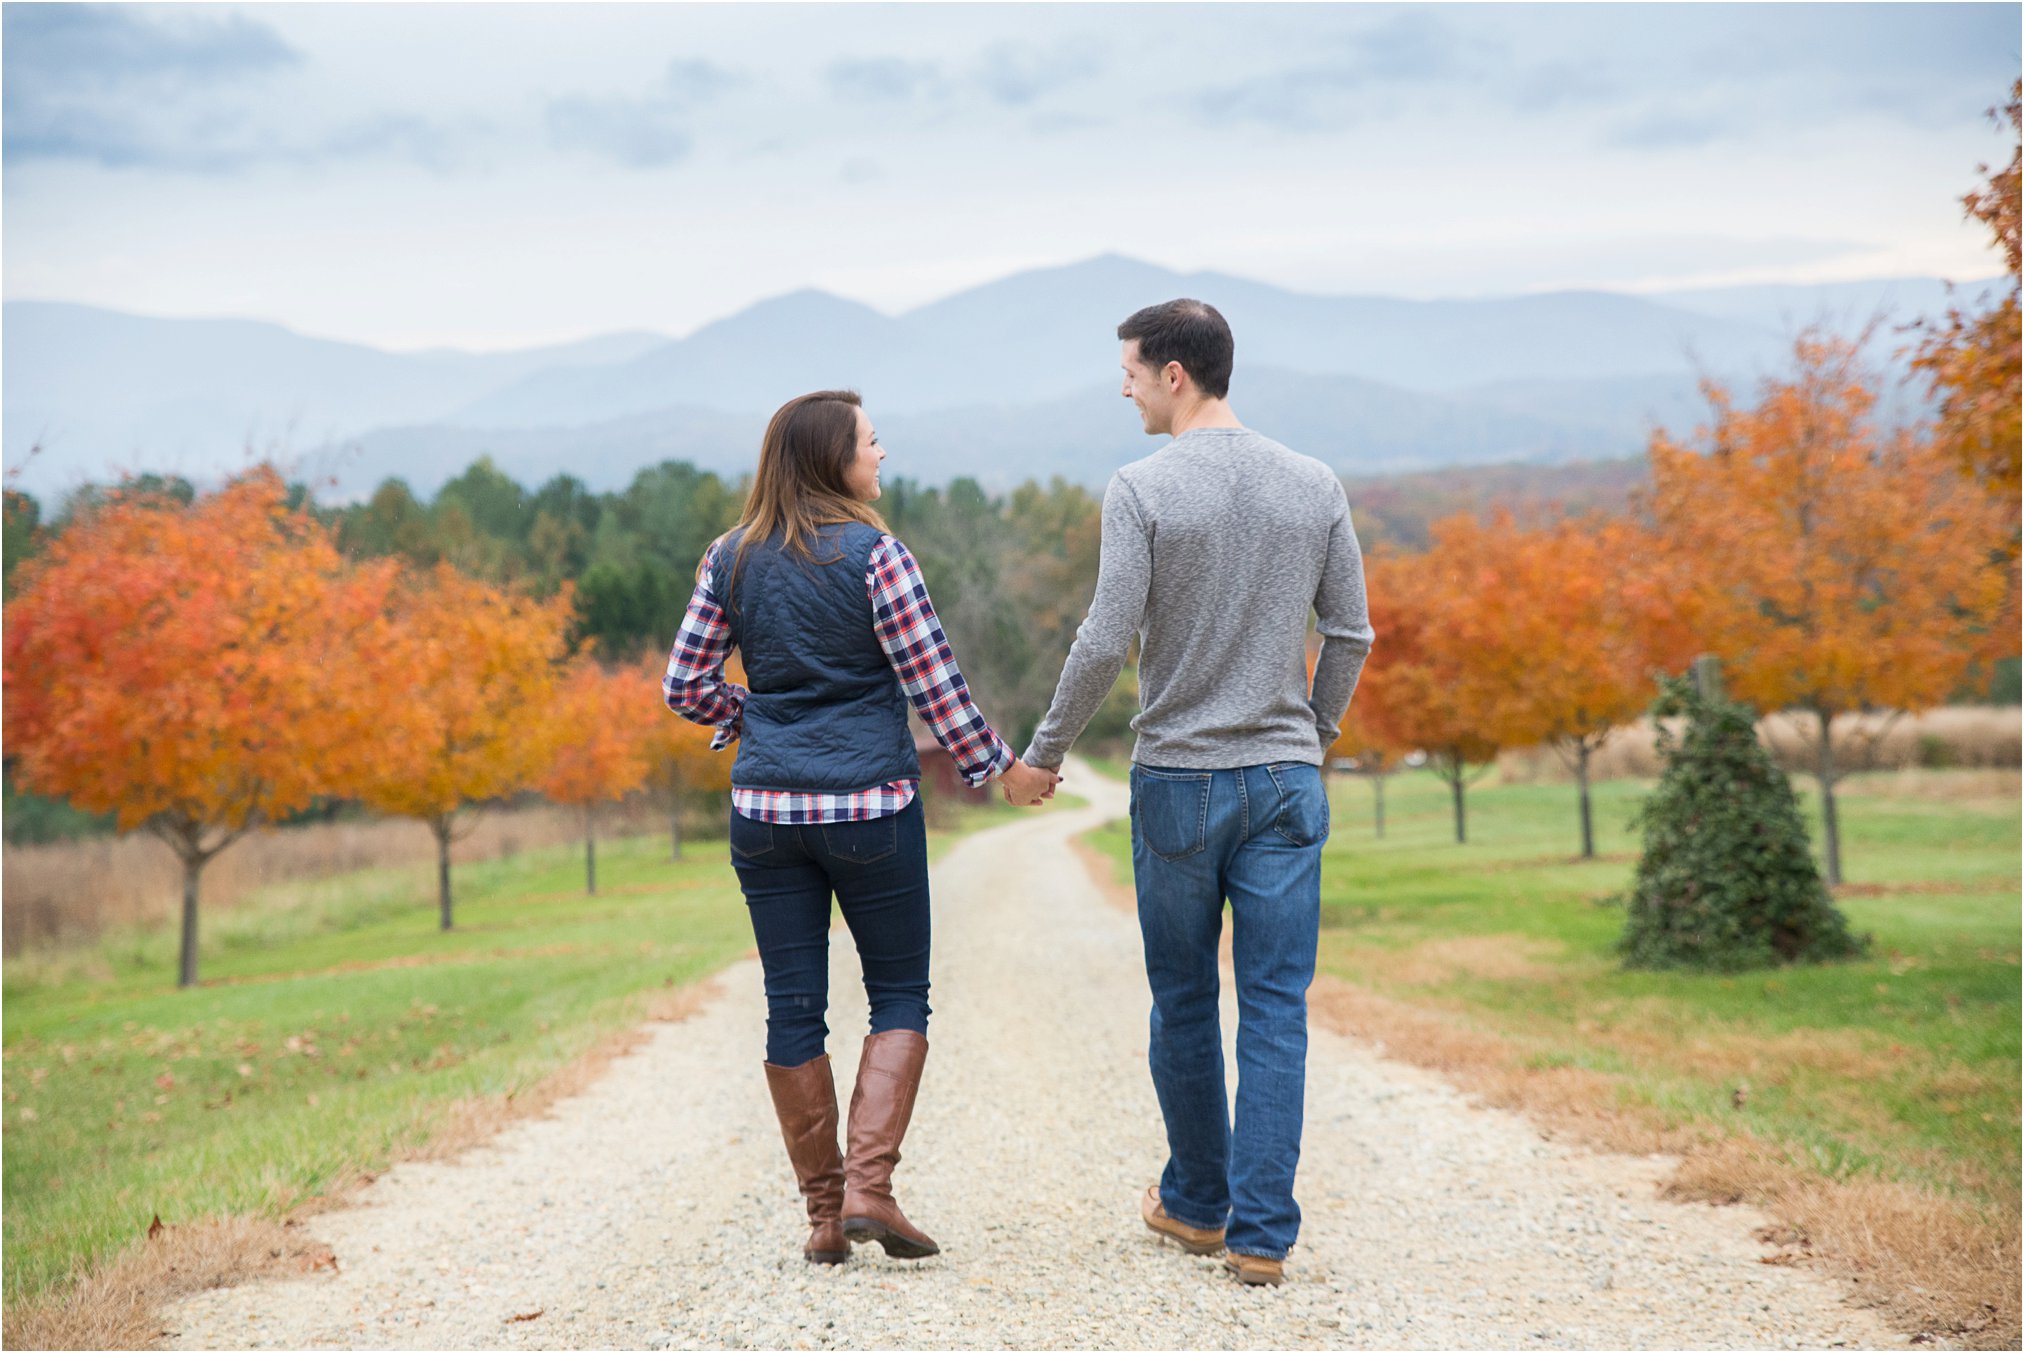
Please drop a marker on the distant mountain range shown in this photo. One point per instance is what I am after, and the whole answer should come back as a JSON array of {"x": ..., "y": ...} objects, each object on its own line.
[{"x": 1007, "y": 381}]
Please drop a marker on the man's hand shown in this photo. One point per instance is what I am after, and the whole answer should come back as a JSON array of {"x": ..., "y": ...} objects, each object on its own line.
[{"x": 1026, "y": 785}]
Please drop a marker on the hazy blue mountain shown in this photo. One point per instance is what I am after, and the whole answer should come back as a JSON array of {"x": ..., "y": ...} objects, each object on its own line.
[
  {"x": 1356, "y": 426},
  {"x": 1042, "y": 334},
  {"x": 1001, "y": 381},
  {"x": 99, "y": 390},
  {"x": 807, "y": 340}
]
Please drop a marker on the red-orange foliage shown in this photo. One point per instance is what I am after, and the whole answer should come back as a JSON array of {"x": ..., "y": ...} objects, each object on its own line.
[
  {"x": 1424, "y": 687},
  {"x": 471, "y": 674},
  {"x": 1974, "y": 361},
  {"x": 1558, "y": 626},
  {"x": 1834, "y": 568},
  {"x": 195, "y": 670},
  {"x": 599, "y": 728}
]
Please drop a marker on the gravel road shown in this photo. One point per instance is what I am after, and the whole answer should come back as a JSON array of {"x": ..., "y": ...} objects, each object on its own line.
[{"x": 657, "y": 1210}]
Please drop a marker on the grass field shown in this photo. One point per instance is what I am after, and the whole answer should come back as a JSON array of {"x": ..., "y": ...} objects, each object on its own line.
[
  {"x": 1903, "y": 1066},
  {"x": 336, "y": 1030}
]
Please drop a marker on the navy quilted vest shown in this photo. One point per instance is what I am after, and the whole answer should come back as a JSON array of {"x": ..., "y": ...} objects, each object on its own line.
[{"x": 826, "y": 710}]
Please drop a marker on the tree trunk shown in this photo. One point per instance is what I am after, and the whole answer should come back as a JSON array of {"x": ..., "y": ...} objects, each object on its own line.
[
  {"x": 675, "y": 826},
  {"x": 193, "y": 869},
  {"x": 1461, "y": 820},
  {"x": 590, "y": 849},
  {"x": 441, "y": 826},
  {"x": 1377, "y": 786},
  {"x": 1587, "y": 818},
  {"x": 1826, "y": 774}
]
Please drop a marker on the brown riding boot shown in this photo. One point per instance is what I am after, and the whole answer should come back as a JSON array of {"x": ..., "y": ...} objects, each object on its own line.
[
  {"x": 888, "y": 1075},
  {"x": 804, "y": 1099}
]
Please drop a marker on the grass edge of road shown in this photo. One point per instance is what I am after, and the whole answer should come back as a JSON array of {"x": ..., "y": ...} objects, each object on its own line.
[
  {"x": 117, "y": 1299},
  {"x": 1930, "y": 1264}
]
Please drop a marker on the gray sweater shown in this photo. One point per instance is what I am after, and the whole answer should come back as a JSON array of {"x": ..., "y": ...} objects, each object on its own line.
[{"x": 1214, "y": 550}]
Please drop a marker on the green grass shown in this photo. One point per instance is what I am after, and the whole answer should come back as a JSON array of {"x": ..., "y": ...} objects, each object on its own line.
[
  {"x": 333, "y": 1022},
  {"x": 1904, "y": 1064}
]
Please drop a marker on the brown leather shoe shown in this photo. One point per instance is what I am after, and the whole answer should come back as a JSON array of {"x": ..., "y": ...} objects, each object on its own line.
[
  {"x": 1255, "y": 1270},
  {"x": 1193, "y": 1239},
  {"x": 804, "y": 1099},
  {"x": 888, "y": 1077}
]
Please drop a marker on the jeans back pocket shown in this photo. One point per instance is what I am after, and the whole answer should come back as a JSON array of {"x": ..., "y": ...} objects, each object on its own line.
[
  {"x": 751, "y": 839},
  {"x": 865, "y": 842},
  {"x": 1171, "y": 811},
  {"x": 1303, "y": 803}
]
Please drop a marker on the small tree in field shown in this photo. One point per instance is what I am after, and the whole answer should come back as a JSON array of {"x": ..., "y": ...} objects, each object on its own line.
[
  {"x": 679, "y": 759},
  {"x": 1432, "y": 693},
  {"x": 1727, "y": 879},
  {"x": 599, "y": 730},
  {"x": 1561, "y": 636},
  {"x": 195, "y": 669},
  {"x": 473, "y": 670}
]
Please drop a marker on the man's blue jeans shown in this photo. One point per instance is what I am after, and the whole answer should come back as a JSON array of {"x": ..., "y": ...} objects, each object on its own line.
[{"x": 1252, "y": 835}]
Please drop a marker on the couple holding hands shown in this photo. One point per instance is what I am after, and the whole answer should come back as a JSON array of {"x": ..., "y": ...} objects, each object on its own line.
[{"x": 1215, "y": 552}]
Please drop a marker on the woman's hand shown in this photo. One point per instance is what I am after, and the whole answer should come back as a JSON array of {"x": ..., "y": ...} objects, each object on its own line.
[{"x": 1026, "y": 785}]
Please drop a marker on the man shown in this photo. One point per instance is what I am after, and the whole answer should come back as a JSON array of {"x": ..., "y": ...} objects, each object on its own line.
[{"x": 1214, "y": 550}]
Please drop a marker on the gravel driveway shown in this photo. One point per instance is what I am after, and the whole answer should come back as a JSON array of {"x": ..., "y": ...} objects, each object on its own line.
[{"x": 657, "y": 1209}]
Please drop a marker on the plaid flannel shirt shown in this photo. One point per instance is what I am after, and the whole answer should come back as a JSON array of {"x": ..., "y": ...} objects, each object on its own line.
[{"x": 904, "y": 620}]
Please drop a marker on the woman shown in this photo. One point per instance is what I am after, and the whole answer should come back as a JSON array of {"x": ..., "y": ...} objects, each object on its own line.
[{"x": 838, "y": 636}]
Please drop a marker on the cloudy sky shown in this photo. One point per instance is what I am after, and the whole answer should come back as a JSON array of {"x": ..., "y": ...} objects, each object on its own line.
[{"x": 492, "y": 176}]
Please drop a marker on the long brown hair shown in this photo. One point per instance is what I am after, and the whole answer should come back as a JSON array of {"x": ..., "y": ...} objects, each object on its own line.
[{"x": 800, "y": 484}]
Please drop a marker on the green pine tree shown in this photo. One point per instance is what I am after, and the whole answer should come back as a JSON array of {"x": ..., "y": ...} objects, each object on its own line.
[{"x": 1727, "y": 879}]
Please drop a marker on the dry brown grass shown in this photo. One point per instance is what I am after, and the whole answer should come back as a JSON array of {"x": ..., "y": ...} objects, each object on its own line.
[
  {"x": 1927, "y": 1262},
  {"x": 117, "y": 1303},
  {"x": 1979, "y": 737},
  {"x": 65, "y": 894},
  {"x": 1496, "y": 957}
]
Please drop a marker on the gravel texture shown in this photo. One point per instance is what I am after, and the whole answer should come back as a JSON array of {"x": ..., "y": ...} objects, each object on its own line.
[{"x": 657, "y": 1209}]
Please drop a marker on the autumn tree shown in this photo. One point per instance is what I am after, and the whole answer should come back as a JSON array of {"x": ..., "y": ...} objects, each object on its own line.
[
  {"x": 1421, "y": 671},
  {"x": 679, "y": 759},
  {"x": 599, "y": 728},
  {"x": 1973, "y": 361},
  {"x": 1834, "y": 568},
  {"x": 196, "y": 669},
  {"x": 1564, "y": 639},
  {"x": 472, "y": 672}
]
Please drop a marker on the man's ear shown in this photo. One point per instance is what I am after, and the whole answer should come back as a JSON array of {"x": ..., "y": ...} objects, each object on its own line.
[{"x": 1175, "y": 375}]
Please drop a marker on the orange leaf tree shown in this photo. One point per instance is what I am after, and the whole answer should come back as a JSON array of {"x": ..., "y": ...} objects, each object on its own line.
[
  {"x": 599, "y": 730},
  {"x": 1974, "y": 361},
  {"x": 1426, "y": 686},
  {"x": 472, "y": 673},
  {"x": 679, "y": 758},
  {"x": 194, "y": 669},
  {"x": 1562, "y": 638},
  {"x": 1836, "y": 568}
]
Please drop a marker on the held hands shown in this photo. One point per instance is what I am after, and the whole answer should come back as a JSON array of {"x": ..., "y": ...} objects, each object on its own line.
[{"x": 1026, "y": 785}]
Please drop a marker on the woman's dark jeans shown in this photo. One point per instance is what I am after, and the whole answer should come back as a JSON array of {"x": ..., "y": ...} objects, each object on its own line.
[{"x": 878, "y": 870}]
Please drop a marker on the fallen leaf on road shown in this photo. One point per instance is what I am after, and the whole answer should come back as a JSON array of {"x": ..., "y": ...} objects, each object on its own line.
[{"x": 531, "y": 1315}]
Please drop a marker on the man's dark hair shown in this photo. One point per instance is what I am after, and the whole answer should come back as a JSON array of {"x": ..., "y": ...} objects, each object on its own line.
[{"x": 1188, "y": 332}]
